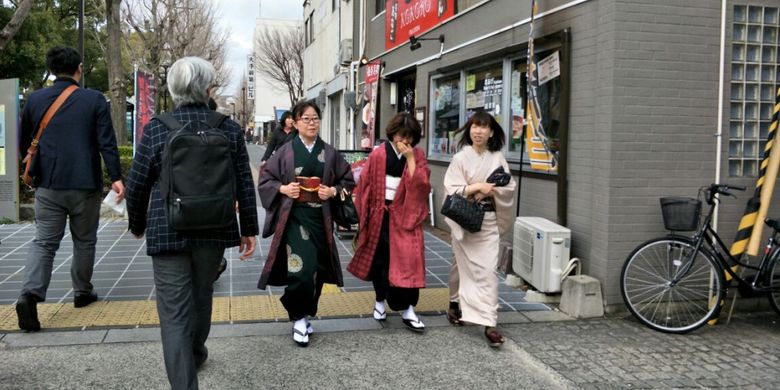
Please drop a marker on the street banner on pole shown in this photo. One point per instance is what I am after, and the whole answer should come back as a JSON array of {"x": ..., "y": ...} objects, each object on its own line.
[
  {"x": 368, "y": 114},
  {"x": 537, "y": 143},
  {"x": 751, "y": 226},
  {"x": 144, "y": 104}
]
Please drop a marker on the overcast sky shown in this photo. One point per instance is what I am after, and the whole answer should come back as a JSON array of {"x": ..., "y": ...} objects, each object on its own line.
[{"x": 238, "y": 18}]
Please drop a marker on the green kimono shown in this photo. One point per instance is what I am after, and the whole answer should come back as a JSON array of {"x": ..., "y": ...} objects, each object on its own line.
[{"x": 305, "y": 239}]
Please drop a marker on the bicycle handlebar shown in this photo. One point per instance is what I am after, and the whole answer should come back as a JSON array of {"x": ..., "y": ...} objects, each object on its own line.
[{"x": 724, "y": 189}]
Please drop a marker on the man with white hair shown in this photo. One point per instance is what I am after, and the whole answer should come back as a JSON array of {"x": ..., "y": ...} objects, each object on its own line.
[{"x": 186, "y": 262}]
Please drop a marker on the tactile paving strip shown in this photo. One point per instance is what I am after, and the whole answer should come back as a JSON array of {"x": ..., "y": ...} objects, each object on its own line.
[
  {"x": 46, "y": 313},
  {"x": 257, "y": 308},
  {"x": 123, "y": 313},
  {"x": 7, "y": 317},
  {"x": 70, "y": 317},
  {"x": 220, "y": 309}
]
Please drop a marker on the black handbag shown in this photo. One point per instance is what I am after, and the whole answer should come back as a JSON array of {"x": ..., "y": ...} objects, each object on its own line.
[
  {"x": 466, "y": 213},
  {"x": 499, "y": 177},
  {"x": 343, "y": 209}
]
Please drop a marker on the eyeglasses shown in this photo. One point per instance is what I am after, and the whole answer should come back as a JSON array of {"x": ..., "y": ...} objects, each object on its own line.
[{"x": 309, "y": 120}]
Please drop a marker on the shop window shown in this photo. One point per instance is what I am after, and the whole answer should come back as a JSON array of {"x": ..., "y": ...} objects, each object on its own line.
[
  {"x": 501, "y": 89},
  {"x": 484, "y": 91},
  {"x": 445, "y": 116},
  {"x": 755, "y": 70},
  {"x": 518, "y": 89},
  {"x": 550, "y": 107}
]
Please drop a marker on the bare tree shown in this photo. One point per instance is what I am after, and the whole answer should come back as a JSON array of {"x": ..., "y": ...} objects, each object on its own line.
[
  {"x": 171, "y": 29},
  {"x": 15, "y": 23},
  {"x": 280, "y": 58},
  {"x": 116, "y": 76}
]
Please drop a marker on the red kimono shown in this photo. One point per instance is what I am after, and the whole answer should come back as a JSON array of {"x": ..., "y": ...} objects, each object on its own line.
[{"x": 407, "y": 213}]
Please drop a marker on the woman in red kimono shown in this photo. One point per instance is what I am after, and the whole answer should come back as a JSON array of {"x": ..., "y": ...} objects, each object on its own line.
[{"x": 392, "y": 204}]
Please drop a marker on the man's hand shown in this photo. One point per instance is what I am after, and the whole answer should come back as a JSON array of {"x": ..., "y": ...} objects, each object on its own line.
[
  {"x": 247, "y": 247},
  {"x": 119, "y": 188}
]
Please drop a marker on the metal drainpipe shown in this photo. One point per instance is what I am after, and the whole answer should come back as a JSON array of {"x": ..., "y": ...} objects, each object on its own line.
[{"x": 721, "y": 75}]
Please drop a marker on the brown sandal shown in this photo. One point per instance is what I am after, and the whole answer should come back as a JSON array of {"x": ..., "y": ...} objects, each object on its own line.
[
  {"x": 495, "y": 339},
  {"x": 454, "y": 314}
]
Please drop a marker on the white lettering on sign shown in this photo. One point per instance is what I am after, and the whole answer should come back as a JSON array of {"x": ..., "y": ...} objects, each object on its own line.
[{"x": 418, "y": 10}]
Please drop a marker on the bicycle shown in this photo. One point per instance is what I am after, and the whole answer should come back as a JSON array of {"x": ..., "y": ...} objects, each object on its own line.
[{"x": 676, "y": 283}]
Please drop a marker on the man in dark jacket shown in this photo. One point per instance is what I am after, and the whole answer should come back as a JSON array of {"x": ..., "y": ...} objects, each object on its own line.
[
  {"x": 186, "y": 263},
  {"x": 68, "y": 178}
]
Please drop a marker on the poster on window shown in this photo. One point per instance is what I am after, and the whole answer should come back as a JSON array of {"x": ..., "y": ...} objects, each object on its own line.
[
  {"x": 404, "y": 18},
  {"x": 368, "y": 113},
  {"x": 144, "y": 104}
]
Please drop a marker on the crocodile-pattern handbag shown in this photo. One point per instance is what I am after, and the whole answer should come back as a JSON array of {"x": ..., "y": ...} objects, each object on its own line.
[{"x": 466, "y": 213}]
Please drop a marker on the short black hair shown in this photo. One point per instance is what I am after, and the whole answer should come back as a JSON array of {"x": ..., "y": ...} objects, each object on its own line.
[
  {"x": 481, "y": 118},
  {"x": 63, "y": 60},
  {"x": 302, "y": 106},
  {"x": 287, "y": 114},
  {"x": 405, "y": 125}
]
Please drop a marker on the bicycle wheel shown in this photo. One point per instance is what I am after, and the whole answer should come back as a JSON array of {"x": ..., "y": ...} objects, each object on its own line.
[
  {"x": 774, "y": 280},
  {"x": 667, "y": 290}
]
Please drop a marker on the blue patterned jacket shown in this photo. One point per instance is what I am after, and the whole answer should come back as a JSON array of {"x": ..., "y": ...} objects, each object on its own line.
[{"x": 143, "y": 184}]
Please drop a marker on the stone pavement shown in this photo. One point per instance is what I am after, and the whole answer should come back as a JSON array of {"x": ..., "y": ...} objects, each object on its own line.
[
  {"x": 543, "y": 350},
  {"x": 621, "y": 353}
]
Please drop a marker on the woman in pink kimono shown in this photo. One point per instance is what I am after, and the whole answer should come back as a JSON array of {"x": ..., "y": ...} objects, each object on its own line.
[
  {"x": 392, "y": 196},
  {"x": 473, "y": 279}
]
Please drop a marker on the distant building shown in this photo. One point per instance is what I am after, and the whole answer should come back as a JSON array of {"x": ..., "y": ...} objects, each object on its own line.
[{"x": 326, "y": 61}]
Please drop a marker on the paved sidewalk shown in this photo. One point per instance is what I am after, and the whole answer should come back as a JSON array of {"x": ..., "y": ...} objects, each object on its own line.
[
  {"x": 621, "y": 353},
  {"x": 544, "y": 350}
]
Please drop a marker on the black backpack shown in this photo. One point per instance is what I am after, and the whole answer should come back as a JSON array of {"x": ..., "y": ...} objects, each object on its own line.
[{"x": 197, "y": 179}]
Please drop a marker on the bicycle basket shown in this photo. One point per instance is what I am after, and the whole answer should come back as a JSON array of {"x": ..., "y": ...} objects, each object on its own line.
[{"x": 681, "y": 214}]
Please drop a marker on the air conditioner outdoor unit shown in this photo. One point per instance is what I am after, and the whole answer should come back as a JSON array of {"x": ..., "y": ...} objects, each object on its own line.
[
  {"x": 345, "y": 52},
  {"x": 540, "y": 252}
]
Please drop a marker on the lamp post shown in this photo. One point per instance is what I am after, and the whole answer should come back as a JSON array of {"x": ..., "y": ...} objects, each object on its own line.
[{"x": 164, "y": 86}]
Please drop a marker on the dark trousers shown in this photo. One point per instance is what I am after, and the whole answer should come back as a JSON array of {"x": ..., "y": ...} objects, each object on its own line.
[
  {"x": 398, "y": 298},
  {"x": 184, "y": 283},
  {"x": 304, "y": 267},
  {"x": 53, "y": 208}
]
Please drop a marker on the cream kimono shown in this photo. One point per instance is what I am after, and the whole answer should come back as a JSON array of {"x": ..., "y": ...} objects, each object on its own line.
[{"x": 473, "y": 278}]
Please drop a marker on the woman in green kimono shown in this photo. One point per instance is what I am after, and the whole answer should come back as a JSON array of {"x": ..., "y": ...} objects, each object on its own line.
[{"x": 296, "y": 188}]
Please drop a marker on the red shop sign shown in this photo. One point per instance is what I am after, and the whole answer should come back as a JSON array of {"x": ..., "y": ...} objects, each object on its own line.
[{"x": 404, "y": 18}]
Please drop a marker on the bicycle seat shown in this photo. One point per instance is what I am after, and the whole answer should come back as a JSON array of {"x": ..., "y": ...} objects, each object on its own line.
[{"x": 773, "y": 223}]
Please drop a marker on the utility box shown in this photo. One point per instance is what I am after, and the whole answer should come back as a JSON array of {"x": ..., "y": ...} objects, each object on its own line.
[
  {"x": 581, "y": 297},
  {"x": 540, "y": 252}
]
